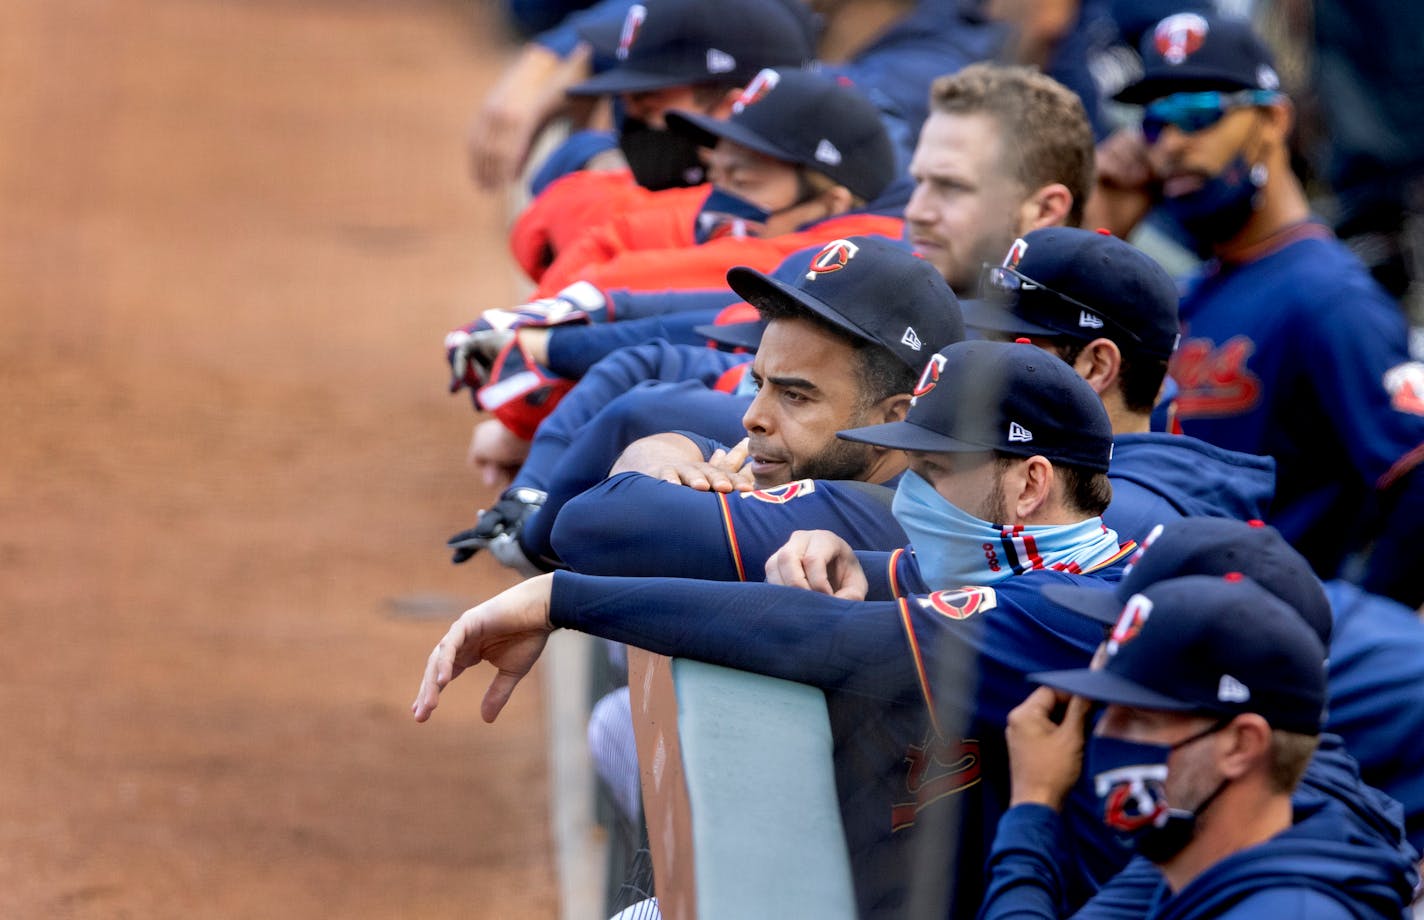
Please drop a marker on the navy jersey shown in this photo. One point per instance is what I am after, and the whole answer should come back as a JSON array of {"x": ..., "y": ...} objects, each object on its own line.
[
  {"x": 1300, "y": 355},
  {"x": 1376, "y": 698},
  {"x": 621, "y": 526},
  {"x": 918, "y": 690},
  {"x": 1160, "y": 477}
]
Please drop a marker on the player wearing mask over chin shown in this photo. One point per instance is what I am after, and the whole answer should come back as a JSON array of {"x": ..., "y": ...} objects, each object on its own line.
[{"x": 1289, "y": 348}]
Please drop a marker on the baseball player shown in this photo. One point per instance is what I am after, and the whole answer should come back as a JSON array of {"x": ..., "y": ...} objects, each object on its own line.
[
  {"x": 1111, "y": 312},
  {"x": 1218, "y": 547},
  {"x": 1035, "y": 450},
  {"x": 1214, "y": 690},
  {"x": 1289, "y": 348},
  {"x": 798, "y": 474},
  {"x": 840, "y": 293}
]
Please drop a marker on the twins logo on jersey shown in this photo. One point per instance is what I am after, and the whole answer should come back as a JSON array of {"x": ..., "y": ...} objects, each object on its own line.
[
  {"x": 937, "y": 768},
  {"x": 1179, "y": 37},
  {"x": 833, "y": 257},
  {"x": 1405, "y": 385},
  {"x": 780, "y": 495},
  {"x": 763, "y": 83},
  {"x": 632, "y": 24},
  {"x": 962, "y": 603},
  {"x": 1215, "y": 382}
]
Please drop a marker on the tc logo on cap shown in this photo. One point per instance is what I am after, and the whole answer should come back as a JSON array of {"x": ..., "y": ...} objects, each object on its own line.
[
  {"x": 929, "y": 378},
  {"x": 637, "y": 14},
  {"x": 832, "y": 258},
  {"x": 1178, "y": 37},
  {"x": 1015, "y": 254},
  {"x": 1130, "y": 622},
  {"x": 763, "y": 83}
]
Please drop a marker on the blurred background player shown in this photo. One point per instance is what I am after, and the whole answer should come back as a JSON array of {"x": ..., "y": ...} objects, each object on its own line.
[{"x": 1290, "y": 348}]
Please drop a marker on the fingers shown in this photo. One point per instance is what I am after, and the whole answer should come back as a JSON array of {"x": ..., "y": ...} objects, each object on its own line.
[
  {"x": 440, "y": 669},
  {"x": 499, "y": 692},
  {"x": 853, "y": 584}
]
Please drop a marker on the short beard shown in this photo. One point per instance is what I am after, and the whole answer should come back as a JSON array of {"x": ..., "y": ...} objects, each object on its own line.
[
  {"x": 995, "y": 508},
  {"x": 840, "y": 460}
]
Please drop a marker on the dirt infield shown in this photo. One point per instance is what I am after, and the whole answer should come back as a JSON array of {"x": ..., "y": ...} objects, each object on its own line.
[{"x": 232, "y": 236}]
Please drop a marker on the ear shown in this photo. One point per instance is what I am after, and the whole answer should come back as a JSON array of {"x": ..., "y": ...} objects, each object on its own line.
[
  {"x": 723, "y": 108},
  {"x": 1099, "y": 363},
  {"x": 1244, "y": 746},
  {"x": 1028, "y": 488},
  {"x": 893, "y": 408},
  {"x": 837, "y": 199},
  {"x": 1046, "y": 207}
]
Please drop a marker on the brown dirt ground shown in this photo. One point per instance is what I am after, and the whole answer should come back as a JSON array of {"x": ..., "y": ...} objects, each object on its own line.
[{"x": 232, "y": 236}]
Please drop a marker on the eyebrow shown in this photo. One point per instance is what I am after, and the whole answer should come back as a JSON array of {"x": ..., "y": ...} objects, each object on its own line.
[{"x": 800, "y": 383}]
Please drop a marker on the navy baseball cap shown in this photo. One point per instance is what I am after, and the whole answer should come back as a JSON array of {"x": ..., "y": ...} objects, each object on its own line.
[
  {"x": 1191, "y": 52},
  {"x": 1062, "y": 281},
  {"x": 1005, "y": 396},
  {"x": 1210, "y": 546},
  {"x": 870, "y": 287},
  {"x": 1208, "y": 645},
  {"x": 665, "y": 43},
  {"x": 733, "y": 335},
  {"x": 806, "y": 118}
]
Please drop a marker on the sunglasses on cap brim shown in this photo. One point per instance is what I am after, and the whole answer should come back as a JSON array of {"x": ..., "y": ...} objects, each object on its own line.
[
  {"x": 1006, "y": 285},
  {"x": 1192, "y": 112}
]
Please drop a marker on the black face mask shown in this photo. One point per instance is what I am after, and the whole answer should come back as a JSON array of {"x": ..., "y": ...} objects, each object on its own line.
[{"x": 660, "y": 159}]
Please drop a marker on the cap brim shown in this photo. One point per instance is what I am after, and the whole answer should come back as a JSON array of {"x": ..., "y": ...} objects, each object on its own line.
[
  {"x": 909, "y": 436},
  {"x": 763, "y": 291},
  {"x": 992, "y": 316},
  {"x": 706, "y": 130},
  {"x": 1101, "y": 604},
  {"x": 623, "y": 80},
  {"x": 735, "y": 335},
  {"x": 1106, "y": 687},
  {"x": 1181, "y": 80}
]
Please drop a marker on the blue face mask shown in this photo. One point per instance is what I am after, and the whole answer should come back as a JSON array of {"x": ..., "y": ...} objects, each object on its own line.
[
  {"x": 726, "y": 214},
  {"x": 954, "y": 548},
  {"x": 1130, "y": 779},
  {"x": 1218, "y": 210}
]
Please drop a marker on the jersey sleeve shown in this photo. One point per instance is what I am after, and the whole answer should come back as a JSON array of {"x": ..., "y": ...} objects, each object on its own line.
[
  {"x": 621, "y": 527},
  {"x": 1371, "y": 391},
  {"x": 781, "y": 632}
]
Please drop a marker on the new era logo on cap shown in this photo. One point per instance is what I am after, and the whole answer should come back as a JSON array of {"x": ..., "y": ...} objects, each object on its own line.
[
  {"x": 827, "y": 153},
  {"x": 1018, "y": 432},
  {"x": 1231, "y": 690},
  {"x": 1089, "y": 321},
  {"x": 720, "y": 61},
  {"x": 910, "y": 338}
]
